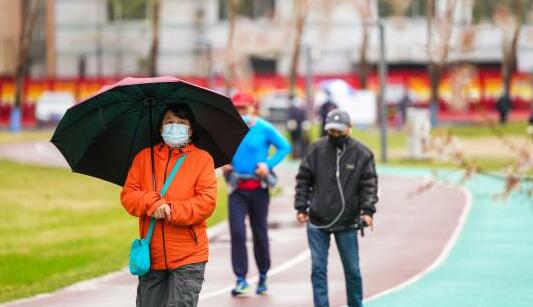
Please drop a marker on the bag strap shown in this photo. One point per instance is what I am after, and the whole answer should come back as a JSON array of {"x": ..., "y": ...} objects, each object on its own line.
[
  {"x": 163, "y": 192},
  {"x": 172, "y": 174}
]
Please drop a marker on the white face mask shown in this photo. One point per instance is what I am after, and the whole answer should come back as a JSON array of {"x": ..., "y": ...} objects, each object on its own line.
[{"x": 175, "y": 135}]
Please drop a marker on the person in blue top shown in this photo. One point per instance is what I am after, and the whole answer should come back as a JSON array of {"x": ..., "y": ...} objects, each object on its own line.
[{"x": 249, "y": 178}]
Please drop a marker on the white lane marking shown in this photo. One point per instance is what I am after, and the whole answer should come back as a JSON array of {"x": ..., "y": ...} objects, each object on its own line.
[
  {"x": 442, "y": 256},
  {"x": 303, "y": 256},
  {"x": 83, "y": 285}
]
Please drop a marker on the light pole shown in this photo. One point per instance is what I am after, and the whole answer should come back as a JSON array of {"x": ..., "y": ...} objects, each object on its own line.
[
  {"x": 382, "y": 75},
  {"x": 382, "y": 88}
]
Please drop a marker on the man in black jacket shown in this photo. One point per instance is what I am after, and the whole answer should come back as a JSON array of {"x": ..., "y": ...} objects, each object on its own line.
[{"x": 336, "y": 187}]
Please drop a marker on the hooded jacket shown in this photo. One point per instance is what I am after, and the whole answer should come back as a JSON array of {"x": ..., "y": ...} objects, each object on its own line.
[{"x": 191, "y": 196}]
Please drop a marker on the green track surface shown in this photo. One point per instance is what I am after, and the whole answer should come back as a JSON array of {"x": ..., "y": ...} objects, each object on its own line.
[{"x": 491, "y": 264}]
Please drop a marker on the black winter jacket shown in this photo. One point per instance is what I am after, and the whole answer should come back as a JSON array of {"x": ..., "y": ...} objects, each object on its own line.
[{"x": 318, "y": 193}]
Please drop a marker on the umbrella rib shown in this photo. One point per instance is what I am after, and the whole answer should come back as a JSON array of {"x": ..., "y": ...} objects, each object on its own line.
[
  {"x": 101, "y": 115},
  {"x": 133, "y": 140},
  {"x": 130, "y": 150},
  {"x": 208, "y": 104},
  {"x": 110, "y": 124},
  {"x": 99, "y": 107}
]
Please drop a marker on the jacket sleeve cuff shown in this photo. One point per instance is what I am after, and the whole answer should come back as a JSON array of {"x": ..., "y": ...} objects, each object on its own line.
[
  {"x": 367, "y": 212},
  {"x": 302, "y": 210},
  {"x": 155, "y": 205}
]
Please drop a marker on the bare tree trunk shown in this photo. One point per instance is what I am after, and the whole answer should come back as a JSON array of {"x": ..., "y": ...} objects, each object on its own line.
[
  {"x": 437, "y": 55},
  {"x": 50, "y": 38},
  {"x": 154, "y": 50},
  {"x": 433, "y": 77},
  {"x": 434, "y": 72},
  {"x": 300, "y": 12},
  {"x": 29, "y": 16},
  {"x": 509, "y": 51},
  {"x": 230, "y": 65}
]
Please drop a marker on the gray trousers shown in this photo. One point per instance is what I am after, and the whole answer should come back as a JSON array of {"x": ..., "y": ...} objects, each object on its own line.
[{"x": 171, "y": 288}]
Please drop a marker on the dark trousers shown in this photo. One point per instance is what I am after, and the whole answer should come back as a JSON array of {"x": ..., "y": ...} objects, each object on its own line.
[
  {"x": 253, "y": 203},
  {"x": 503, "y": 116},
  {"x": 349, "y": 250},
  {"x": 179, "y": 287}
]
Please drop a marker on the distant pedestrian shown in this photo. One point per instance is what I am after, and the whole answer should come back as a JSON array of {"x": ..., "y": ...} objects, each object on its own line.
[
  {"x": 404, "y": 103},
  {"x": 336, "y": 191},
  {"x": 530, "y": 123},
  {"x": 503, "y": 106},
  {"x": 325, "y": 108},
  {"x": 297, "y": 117}
]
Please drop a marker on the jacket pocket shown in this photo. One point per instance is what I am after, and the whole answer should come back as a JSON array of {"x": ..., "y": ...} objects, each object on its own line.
[
  {"x": 195, "y": 277},
  {"x": 313, "y": 210},
  {"x": 194, "y": 234}
]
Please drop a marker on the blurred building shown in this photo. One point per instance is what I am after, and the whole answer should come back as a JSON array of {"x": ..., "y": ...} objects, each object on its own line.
[{"x": 113, "y": 37}]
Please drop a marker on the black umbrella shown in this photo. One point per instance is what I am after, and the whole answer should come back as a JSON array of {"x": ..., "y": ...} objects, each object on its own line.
[{"x": 100, "y": 136}]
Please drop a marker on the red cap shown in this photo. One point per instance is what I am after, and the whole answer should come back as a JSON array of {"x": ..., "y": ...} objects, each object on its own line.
[{"x": 242, "y": 99}]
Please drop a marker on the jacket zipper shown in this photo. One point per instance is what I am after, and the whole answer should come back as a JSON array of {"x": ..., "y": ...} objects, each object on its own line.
[
  {"x": 164, "y": 247},
  {"x": 339, "y": 154},
  {"x": 162, "y": 222}
]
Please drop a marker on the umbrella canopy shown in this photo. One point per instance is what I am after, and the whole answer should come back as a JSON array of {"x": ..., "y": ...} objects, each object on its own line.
[{"x": 100, "y": 136}]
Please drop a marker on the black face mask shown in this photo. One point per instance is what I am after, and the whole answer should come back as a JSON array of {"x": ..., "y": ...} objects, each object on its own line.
[{"x": 338, "y": 140}]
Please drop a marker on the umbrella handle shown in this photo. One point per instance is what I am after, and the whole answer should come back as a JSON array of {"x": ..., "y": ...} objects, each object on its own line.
[{"x": 151, "y": 145}]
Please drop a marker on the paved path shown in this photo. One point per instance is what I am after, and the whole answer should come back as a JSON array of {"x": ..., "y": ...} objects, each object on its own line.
[
  {"x": 41, "y": 153},
  {"x": 409, "y": 236}
]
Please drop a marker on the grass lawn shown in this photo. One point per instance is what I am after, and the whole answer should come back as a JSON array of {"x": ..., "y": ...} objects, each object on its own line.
[
  {"x": 475, "y": 135},
  {"x": 482, "y": 130},
  {"x": 397, "y": 139},
  {"x": 397, "y": 142},
  {"x": 487, "y": 164},
  {"x": 58, "y": 228}
]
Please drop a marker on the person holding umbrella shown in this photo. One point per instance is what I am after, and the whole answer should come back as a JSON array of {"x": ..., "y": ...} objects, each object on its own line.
[
  {"x": 158, "y": 138},
  {"x": 179, "y": 245},
  {"x": 249, "y": 177}
]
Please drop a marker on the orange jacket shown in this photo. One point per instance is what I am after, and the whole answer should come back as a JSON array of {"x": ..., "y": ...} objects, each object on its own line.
[{"x": 192, "y": 198}]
